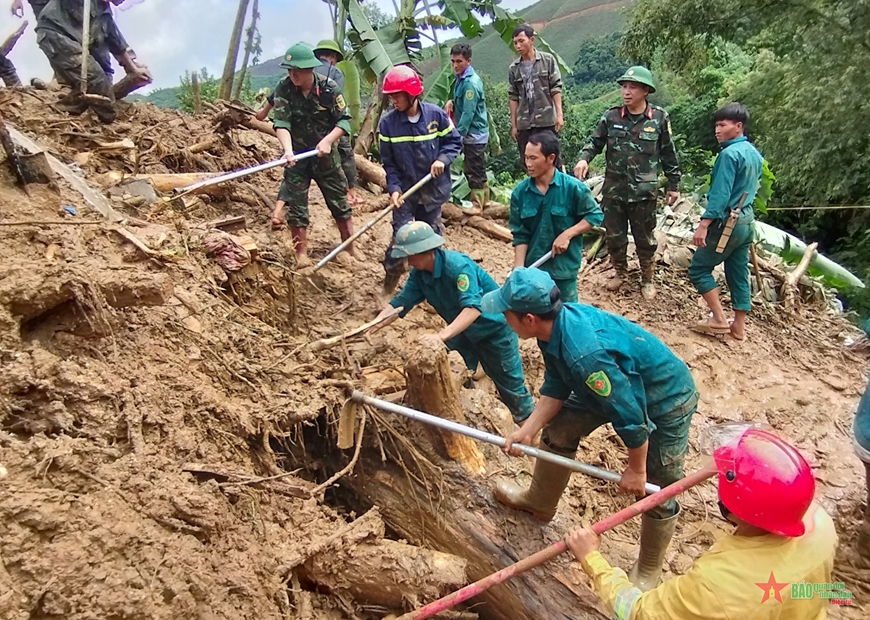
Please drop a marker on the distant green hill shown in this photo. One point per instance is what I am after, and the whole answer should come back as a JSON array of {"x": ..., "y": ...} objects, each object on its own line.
[{"x": 565, "y": 24}]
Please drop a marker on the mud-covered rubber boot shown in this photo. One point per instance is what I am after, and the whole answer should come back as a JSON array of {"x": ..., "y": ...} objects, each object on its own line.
[
  {"x": 345, "y": 229},
  {"x": 655, "y": 536},
  {"x": 617, "y": 280},
  {"x": 300, "y": 243},
  {"x": 478, "y": 200},
  {"x": 647, "y": 287},
  {"x": 391, "y": 278},
  {"x": 542, "y": 497}
]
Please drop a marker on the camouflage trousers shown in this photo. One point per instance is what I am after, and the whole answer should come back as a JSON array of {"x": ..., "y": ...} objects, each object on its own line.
[
  {"x": 327, "y": 173},
  {"x": 345, "y": 151},
  {"x": 523, "y": 139},
  {"x": 474, "y": 165},
  {"x": 8, "y": 73},
  {"x": 65, "y": 57},
  {"x": 668, "y": 443},
  {"x": 641, "y": 216}
]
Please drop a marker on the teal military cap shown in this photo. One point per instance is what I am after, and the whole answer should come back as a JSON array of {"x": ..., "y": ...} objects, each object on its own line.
[{"x": 526, "y": 290}]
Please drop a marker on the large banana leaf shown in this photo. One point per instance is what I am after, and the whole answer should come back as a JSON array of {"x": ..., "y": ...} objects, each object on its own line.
[
  {"x": 378, "y": 50},
  {"x": 457, "y": 12},
  {"x": 351, "y": 91}
]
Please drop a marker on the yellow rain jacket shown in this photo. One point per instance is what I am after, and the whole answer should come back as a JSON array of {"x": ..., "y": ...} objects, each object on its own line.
[{"x": 739, "y": 578}]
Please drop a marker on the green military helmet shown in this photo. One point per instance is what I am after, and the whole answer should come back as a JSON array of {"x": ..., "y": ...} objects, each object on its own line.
[
  {"x": 638, "y": 74},
  {"x": 299, "y": 56},
  {"x": 415, "y": 238},
  {"x": 328, "y": 45}
]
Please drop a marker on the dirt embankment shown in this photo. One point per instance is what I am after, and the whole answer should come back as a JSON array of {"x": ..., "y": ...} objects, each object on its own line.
[{"x": 144, "y": 397}]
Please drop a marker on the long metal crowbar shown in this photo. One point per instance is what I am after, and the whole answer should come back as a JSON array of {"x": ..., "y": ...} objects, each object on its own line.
[{"x": 474, "y": 433}]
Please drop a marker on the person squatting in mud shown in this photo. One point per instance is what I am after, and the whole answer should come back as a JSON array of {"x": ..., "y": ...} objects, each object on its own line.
[
  {"x": 550, "y": 211},
  {"x": 599, "y": 368},
  {"x": 416, "y": 139},
  {"x": 310, "y": 113},
  {"x": 781, "y": 537},
  {"x": 454, "y": 285}
]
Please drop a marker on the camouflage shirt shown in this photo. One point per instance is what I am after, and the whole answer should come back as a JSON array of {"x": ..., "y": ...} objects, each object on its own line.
[
  {"x": 309, "y": 119},
  {"x": 535, "y": 96},
  {"x": 67, "y": 17},
  {"x": 635, "y": 145}
]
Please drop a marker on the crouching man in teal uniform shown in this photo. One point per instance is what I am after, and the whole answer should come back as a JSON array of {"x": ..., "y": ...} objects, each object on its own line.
[
  {"x": 454, "y": 284},
  {"x": 600, "y": 368}
]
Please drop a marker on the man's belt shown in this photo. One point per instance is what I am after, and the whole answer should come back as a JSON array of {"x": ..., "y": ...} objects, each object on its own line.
[{"x": 729, "y": 225}]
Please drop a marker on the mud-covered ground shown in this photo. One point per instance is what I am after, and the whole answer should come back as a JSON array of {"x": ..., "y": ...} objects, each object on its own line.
[{"x": 131, "y": 431}]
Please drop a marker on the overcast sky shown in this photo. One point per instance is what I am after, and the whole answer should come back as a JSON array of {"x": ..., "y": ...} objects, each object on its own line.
[{"x": 172, "y": 36}]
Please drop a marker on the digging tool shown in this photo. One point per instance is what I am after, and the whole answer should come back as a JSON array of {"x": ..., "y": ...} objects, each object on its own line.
[
  {"x": 366, "y": 228},
  {"x": 545, "y": 555},
  {"x": 455, "y": 427},
  {"x": 86, "y": 40},
  {"x": 320, "y": 345},
  {"x": 729, "y": 225},
  {"x": 242, "y": 173},
  {"x": 542, "y": 260}
]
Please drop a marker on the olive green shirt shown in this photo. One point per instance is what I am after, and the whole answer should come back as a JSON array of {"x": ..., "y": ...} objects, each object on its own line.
[
  {"x": 310, "y": 118},
  {"x": 534, "y": 96}
]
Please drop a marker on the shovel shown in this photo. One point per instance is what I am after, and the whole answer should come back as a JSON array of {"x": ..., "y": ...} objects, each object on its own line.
[
  {"x": 542, "y": 260},
  {"x": 366, "y": 228},
  {"x": 455, "y": 427},
  {"x": 242, "y": 173}
]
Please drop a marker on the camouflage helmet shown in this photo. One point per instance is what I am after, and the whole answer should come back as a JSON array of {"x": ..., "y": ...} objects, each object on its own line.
[
  {"x": 299, "y": 56},
  {"x": 415, "y": 238},
  {"x": 638, "y": 74},
  {"x": 328, "y": 45}
]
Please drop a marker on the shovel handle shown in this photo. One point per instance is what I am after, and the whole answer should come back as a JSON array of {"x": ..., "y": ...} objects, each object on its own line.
[
  {"x": 368, "y": 225},
  {"x": 243, "y": 172},
  {"x": 542, "y": 260}
]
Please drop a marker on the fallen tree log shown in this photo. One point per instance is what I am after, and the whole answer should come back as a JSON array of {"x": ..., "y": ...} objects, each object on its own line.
[
  {"x": 790, "y": 286},
  {"x": 484, "y": 225},
  {"x": 388, "y": 573},
  {"x": 10, "y": 42},
  {"x": 496, "y": 211},
  {"x": 431, "y": 388},
  {"x": 370, "y": 171},
  {"x": 165, "y": 183}
]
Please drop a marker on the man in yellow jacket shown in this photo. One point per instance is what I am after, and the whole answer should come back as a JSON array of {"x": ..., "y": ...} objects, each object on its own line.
[{"x": 782, "y": 546}]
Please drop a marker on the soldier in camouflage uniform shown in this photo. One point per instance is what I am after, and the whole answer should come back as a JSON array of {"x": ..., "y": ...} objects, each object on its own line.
[
  {"x": 310, "y": 113},
  {"x": 534, "y": 92},
  {"x": 638, "y": 137}
]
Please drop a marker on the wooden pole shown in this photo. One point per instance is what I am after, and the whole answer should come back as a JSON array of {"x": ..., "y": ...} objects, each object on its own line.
[
  {"x": 194, "y": 92},
  {"x": 86, "y": 44},
  {"x": 249, "y": 45},
  {"x": 9, "y": 43},
  {"x": 758, "y": 282},
  {"x": 226, "y": 85}
]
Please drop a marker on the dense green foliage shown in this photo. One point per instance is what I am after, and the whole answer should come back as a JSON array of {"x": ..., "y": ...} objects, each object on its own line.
[{"x": 801, "y": 67}]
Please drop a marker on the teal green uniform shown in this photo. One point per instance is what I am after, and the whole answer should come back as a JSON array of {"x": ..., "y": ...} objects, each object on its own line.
[
  {"x": 536, "y": 220},
  {"x": 737, "y": 170},
  {"x": 455, "y": 283},
  {"x": 606, "y": 369}
]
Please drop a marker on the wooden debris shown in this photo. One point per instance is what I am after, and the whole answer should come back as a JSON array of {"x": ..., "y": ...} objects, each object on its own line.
[
  {"x": 370, "y": 171},
  {"x": 228, "y": 224},
  {"x": 13, "y": 157},
  {"x": 10, "y": 42},
  {"x": 137, "y": 242},
  {"x": 387, "y": 572},
  {"x": 368, "y": 526},
  {"x": 495, "y": 211},
  {"x": 247, "y": 242},
  {"x": 791, "y": 293},
  {"x": 326, "y": 343},
  {"x": 431, "y": 388},
  {"x": 195, "y": 92},
  {"x": 496, "y": 231}
]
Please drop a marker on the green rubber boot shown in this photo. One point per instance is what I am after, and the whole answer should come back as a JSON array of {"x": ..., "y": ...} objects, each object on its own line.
[
  {"x": 655, "y": 536},
  {"x": 542, "y": 497}
]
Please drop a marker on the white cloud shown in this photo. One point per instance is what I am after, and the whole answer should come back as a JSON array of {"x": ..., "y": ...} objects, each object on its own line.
[{"x": 174, "y": 36}]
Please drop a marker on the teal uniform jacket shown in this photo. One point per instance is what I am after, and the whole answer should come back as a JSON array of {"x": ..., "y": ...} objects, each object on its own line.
[
  {"x": 861, "y": 427},
  {"x": 536, "y": 220},
  {"x": 469, "y": 108},
  {"x": 457, "y": 282},
  {"x": 615, "y": 369},
  {"x": 737, "y": 170}
]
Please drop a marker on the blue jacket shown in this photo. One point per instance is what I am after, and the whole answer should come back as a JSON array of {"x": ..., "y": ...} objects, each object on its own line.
[
  {"x": 456, "y": 282},
  {"x": 536, "y": 220},
  {"x": 408, "y": 150},
  {"x": 617, "y": 369},
  {"x": 737, "y": 170}
]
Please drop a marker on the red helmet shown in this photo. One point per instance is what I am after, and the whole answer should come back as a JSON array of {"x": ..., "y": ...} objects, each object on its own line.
[
  {"x": 402, "y": 79},
  {"x": 765, "y": 481}
]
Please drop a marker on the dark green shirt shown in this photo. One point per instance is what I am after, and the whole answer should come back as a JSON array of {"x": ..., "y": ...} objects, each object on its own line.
[
  {"x": 636, "y": 145},
  {"x": 309, "y": 118},
  {"x": 536, "y": 220}
]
